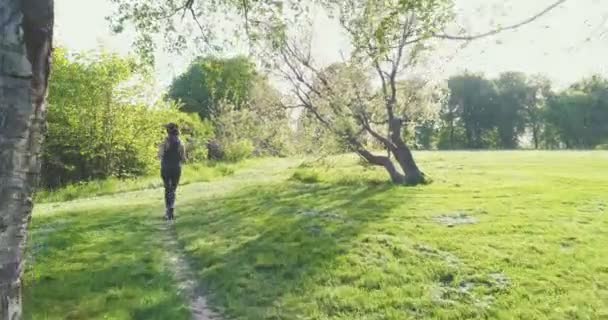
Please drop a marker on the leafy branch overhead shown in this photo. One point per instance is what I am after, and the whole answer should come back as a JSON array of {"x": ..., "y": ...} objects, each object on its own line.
[
  {"x": 179, "y": 24},
  {"x": 386, "y": 38}
]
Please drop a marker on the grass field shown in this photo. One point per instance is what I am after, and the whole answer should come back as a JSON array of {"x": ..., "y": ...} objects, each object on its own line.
[
  {"x": 497, "y": 235},
  {"x": 192, "y": 173}
]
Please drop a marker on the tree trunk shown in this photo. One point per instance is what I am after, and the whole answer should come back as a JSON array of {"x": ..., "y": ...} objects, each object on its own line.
[
  {"x": 413, "y": 175},
  {"x": 396, "y": 177},
  {"x": 403, "y": 154},
  {"x": 26, "y": 28},
  {"x": 535, "y": 136},
  {"x": 451, "y": 134}
]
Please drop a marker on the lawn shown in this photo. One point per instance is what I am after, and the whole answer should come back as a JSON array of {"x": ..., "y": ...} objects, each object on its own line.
[
  {"x": 199, "y": 172},
  {"x": 497, "y": 235}
]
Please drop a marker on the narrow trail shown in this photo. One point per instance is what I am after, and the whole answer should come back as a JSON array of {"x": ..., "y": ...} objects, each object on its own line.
[
  {"x": 176, "y": 258},
  {"x": 265, "y": 172},
  {"x": 185, "y": 279}
]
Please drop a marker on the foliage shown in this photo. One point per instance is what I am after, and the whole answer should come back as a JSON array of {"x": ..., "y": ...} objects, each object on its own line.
[
  {"x": 499, "y": 113},
  {"x": 239, "y": 150},
  {"x": 472, "y": 106},
  {"x": 263, "y": 122},
  {"x": 311, "y": 138},
  {"x": 195, "y": 172},
  {"x": 513, "y": 95},
  {"x": 94, "y": 132},
  {"x": 534, "y": 114},
  {"x": 386, "y": 37},
  {"x": 579, "y": 115},
  {"x": 211, "y": 82},
  {"x": 420, "y": 104},
  {"x": 243, "y": 106}
]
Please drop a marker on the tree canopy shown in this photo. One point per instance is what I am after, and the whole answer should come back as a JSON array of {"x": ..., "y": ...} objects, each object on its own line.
[
  {"x": 503, "y": 112},
  {"x": 96, "y": 131},
  {"x": 212, "y": 82},
  {"x": 387, "y": 38}
]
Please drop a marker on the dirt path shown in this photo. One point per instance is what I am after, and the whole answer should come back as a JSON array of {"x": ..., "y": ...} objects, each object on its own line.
[
  {"x": 176, "y": 258},
  {"x": 185, "y": 278}
]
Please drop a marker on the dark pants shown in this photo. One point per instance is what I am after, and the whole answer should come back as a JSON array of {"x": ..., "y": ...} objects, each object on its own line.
[{"x": 171, "y": 180}]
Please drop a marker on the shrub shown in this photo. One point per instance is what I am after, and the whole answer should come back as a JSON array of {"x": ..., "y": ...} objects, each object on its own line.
[
  {"x": 239, "y": 150},
  {"x": 96, "y": 130},
  {"x": 602, "y": 147},
  {"x": 306, "y": 176}
]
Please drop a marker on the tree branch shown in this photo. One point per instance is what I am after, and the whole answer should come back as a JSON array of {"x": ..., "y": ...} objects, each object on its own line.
[
  {"x": 366, "y": 125},
  {"x": 499, "y": 30}
]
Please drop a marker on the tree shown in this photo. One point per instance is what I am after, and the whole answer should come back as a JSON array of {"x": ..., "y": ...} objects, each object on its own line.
[
  {"x": 82, "y": 120},
  {"x": 386, "y": 37},
  {"x": 26, "y": 33},
  {"x": 96, "y": 129},
  {"x": 536, "y": 107},
  {"x": 578, "y": 115},
  {"x": 173, "y": 21},
  {"x": 260, "y": 122},
  {"x": 420, "y": 104},
  {"x": 513, "y": 96},
  {"x": 472, "y": 106},
  {"x": 212, "y": 82}
]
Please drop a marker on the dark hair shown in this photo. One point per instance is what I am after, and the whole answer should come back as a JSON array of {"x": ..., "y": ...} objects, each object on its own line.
[{"x": 172, "y": 129}]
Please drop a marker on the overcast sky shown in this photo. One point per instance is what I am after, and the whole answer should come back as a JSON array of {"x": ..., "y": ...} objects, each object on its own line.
[{"x": 567, "y": 44}]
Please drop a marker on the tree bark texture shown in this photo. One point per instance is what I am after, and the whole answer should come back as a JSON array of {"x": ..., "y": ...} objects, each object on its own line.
[
  {"x": 396, "y": 176},
  {"x": 403, "y": 154},
  {"x": 26, "y": 31}
]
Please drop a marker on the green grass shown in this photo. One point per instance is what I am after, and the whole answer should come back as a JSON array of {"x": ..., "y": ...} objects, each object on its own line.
[
  {"x": 192, "y": 173},
  {"x": 525, "y": 238},
  {"x": 102, "y": 263}
]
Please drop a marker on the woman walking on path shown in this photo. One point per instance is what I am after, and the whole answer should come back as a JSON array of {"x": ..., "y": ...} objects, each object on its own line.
[{"x": 172, "y": 154}]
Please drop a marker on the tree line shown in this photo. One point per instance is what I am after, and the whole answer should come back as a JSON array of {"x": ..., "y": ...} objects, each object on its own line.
[
  {"x": 99, "y": 127},
  {"x": 519, "y": 111},
  {"x": 101, "y": 124}
]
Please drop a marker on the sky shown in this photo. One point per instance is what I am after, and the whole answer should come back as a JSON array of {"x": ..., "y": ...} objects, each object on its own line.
[{"x": 567, "y": 44}]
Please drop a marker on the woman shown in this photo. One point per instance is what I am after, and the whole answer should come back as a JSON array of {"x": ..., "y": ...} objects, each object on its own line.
[{"x": 172, "y": 154}]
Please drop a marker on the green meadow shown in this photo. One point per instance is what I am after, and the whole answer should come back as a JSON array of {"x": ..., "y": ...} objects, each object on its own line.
[{"x": 496, "y": 235}]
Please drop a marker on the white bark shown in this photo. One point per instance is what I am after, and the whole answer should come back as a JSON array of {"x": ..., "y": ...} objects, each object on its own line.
[{"x": 25, "y": 43}]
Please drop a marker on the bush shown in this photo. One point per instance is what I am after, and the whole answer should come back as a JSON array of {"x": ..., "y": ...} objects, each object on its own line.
[
  {"x": 602, "y": 147},
  {"x": 195, "y": 133},
  {"x": 239, "y": 150},
  {"x": 197, "y": 172},
  {"x": 306, "y": 176},
  {"x": 261, "y": 121},
  {"x": 97, "y": 131},
  {"x": 215, "y": 151}
]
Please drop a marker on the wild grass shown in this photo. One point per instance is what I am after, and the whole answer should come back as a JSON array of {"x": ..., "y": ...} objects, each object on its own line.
[
  {"x": 498, "y": 235},
  {"x": 198, "y": 172},
  {"x": 100, "y": 263}
]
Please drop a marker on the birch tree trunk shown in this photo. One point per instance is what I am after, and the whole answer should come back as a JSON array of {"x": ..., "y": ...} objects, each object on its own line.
[{"x": 26, "y": 30}]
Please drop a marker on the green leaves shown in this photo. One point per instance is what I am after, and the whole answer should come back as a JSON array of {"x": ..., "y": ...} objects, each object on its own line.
[
  {"x": 578, "y": 116},
  {"x": 97, "y": 129},
  {"x": 210, "y": 81}
]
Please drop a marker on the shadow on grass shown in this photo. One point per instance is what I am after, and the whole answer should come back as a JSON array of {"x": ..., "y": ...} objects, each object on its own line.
[
  {"x": 104, "y": 264},
  {"x": 263, "y": 246}
]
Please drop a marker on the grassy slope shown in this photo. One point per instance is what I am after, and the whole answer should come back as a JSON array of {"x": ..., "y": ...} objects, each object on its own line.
[
  {"x": 103, "y": 258},
  {"x": 192, "y": 173},
  {"x": 347, "y": 247}
]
